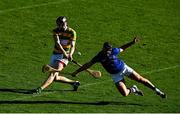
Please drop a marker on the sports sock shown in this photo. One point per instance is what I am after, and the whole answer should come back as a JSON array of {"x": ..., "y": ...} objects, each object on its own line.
[
  {"x": 132, "y": 90},
  {"x": 150, "y": 86},
  {"x": 40, "y": 88},
  {"x": 157, "y": 90}
]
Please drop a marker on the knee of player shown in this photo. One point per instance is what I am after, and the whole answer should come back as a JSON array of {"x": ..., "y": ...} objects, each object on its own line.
[
  {"x": 144, "y": 80},
  {"x": 125, "y": 94},
  {"x": 59, "y": 69}
]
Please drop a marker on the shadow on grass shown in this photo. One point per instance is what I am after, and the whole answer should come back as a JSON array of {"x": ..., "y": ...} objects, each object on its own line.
[
  {"x": 69, "y": 102},
  {"x": 26, "y": 91}
]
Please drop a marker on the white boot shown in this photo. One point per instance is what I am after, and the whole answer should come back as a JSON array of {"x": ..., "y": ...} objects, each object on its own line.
[
  {"x": 160, "y": 93},
  {"x": 135, "y": 90}
]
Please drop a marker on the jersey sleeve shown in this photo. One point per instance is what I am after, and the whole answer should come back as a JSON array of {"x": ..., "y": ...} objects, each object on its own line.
[
  {"x": 73, "y": 36},
  {"x": 96, "y": 58},
  {"x": 116, "y": 51},
  {"x": 120, "y": 49}
]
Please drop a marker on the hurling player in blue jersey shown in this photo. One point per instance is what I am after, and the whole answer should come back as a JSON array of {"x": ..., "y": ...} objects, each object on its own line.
[{"x": 117, "y": 68}]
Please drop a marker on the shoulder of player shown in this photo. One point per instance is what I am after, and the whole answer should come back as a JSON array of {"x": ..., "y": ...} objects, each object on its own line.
[
  {"x": 55, "y": 31},
  {"x": 71, "y": 30},
  {"x": 116, "y": 49}
]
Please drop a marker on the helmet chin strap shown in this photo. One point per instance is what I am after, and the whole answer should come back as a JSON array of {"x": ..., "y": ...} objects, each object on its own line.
[{"x": 63, "y": 28}]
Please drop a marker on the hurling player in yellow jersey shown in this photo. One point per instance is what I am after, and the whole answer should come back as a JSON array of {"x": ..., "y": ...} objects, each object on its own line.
[{"x": 64, "y": 39}]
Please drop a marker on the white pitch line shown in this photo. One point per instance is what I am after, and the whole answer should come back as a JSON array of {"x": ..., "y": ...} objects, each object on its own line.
[
  {"x": 32, "y": 6},
  {"x": 153, "y": 71},
  {"x": 51, "y": 3},
  {"x": 162, "y": 69}
]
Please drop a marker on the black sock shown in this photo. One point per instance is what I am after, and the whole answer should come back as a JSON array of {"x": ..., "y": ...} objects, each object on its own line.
[{"x": 150, "y": 86}]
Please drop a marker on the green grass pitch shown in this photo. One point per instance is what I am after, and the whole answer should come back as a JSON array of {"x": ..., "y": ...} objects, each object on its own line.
[{"x": 26, "y": 44}]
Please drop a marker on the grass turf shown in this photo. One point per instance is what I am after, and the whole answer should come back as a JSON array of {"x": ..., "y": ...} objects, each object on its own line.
[{"x": 26, "y": 44}]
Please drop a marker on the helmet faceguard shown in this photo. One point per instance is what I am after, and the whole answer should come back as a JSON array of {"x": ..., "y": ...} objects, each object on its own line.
[
  {"x": 61, "y": 23},
  {"x": 61, "y": 19},
  {"x": 107, "y": 45}
]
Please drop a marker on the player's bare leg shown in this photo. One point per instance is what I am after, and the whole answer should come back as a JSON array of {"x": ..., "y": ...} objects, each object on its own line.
[
  {"x": 122, "y": 88},
  {"x": 146, "y": 82},
  {"x": 126, "y": 91},
  {"x": 49, "y": 80},
  {"x": 51, "y": 77},
  {"x": 63, "y": 79},
  {"x": 54, "y": 76}
]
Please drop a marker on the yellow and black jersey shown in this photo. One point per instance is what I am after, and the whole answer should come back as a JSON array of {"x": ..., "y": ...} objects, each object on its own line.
[{"x": 65, "y": 37}]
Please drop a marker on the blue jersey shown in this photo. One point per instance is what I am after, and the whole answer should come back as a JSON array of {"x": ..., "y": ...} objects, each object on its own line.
[{"x": 110, "y": 61}]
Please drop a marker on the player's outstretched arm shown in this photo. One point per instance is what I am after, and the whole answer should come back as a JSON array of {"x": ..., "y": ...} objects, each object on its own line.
[
  {"x": 84, "y": 67},
  {"x": 125, "y": 46}
]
